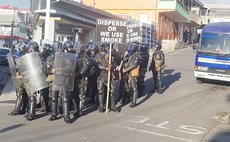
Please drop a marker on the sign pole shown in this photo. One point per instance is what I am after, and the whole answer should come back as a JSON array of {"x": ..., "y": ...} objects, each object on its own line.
[
  {"x": 109, "y": 80},
  {"x": 110, "y": 31}
]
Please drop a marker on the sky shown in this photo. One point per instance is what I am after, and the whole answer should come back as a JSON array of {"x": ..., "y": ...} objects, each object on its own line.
[
  {"x": 16, "y": 3},
  {"x": 25, "y": 3},
  {"x": 215, "y": 1}
]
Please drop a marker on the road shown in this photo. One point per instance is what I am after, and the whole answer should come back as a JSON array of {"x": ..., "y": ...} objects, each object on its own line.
[
  {"x": 4, "y": 76},
  {"x": 185, "y": 112}
]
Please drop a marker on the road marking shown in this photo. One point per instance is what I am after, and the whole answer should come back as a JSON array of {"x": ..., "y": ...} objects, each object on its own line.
[
  {"x": 187, "y": 129},
  {"x": 6, "y": 104},
  {"x": 159, "y": 125},
  {"x": 137, "y": 119},
  {"x": 194, "y": 130},
  {"x": 154, "y": 133}
]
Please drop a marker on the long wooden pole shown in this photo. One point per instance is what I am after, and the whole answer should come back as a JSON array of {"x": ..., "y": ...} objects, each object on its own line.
[{"x": 109, "y": 76}]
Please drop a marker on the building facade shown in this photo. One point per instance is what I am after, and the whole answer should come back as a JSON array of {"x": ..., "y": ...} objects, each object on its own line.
[
  {"x": 215, "y": 13},
  {"x": 69, "y": 20},
  {"x": 176, "y": 19},
  {"x": 13, "y": 24}
]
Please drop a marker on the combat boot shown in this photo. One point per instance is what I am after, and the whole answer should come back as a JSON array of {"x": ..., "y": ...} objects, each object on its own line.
[
  {"x": 54, "y": 102},
  {"x": 31, "y": 115},
  {"x": 65, "y": 108},
  {"x": 134, "y": 99},
  {"x": 45, "y": 100},
  {"x": 159, "y": 89},
  {"x": 113, "y": 102},
  {"x": 82, "y": 103},
  {"x": 101, "y": 107},
  {"x": 17, "y": 109}
]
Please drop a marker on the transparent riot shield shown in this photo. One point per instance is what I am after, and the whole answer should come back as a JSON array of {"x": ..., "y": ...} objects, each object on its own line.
[
  {"x": 30, "y": 67},
  {"x": 64, "y": 64},
  {"x": 12, "y": 67}
]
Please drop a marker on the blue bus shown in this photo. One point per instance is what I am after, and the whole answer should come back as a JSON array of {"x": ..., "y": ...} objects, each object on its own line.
[{"x": 213, "y": 53}]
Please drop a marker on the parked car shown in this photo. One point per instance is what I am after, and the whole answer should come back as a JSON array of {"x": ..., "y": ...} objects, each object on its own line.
[{"x": 3, "y": 55}]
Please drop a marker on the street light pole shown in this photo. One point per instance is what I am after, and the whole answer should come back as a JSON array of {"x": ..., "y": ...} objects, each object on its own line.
[{"x": 47, "y": 21}]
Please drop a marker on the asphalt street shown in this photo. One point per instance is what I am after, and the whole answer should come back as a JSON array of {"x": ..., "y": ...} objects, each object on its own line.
[
  {"x": 185, "y": 112},
  {"x": 4, "y": 77}
]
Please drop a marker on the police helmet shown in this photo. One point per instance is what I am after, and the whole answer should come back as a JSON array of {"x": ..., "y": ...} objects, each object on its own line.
[
  {"x": 68, "y": 46},
  {"x": 20, "y": 46},
  {"x": 57, "y": 46},
  {"x": 20, "y": 49},
  {"x": 32, "y": 47},
  {"x": 158, "y": 46},
  {"x": 92, "y": 49},
  {"x": 47, "y": 49},
  {"x": 143, "y": 47},
  {"x": 105, "y": 47},
  {"x": 133, "y": 47},
  {"x": 79, "y": 47}
]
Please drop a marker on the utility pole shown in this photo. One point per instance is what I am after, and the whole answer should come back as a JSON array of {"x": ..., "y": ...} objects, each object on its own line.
[
  {"x": 12, "y": 28},
  {"x": 47, "y": 21}
]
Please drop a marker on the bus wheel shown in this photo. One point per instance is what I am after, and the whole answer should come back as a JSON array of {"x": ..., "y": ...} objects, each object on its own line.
[{"x": 199, "y": 80}]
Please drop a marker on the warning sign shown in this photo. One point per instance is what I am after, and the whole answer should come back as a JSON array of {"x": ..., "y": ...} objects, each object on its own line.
[
  {"x": 133, "y": 31},
  {"x": 111, "y": 31}
]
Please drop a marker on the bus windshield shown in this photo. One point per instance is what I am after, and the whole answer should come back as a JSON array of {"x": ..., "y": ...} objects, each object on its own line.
[{"x": 215, "y": 43}]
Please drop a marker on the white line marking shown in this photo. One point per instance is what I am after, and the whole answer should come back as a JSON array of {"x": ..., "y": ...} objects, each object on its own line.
[
  {"x": 213, "y": 61},
  {"x": 154, "y": 133},
  {"x": 137, "y": 119},
  {"x": 6, "y": 104},
  {"x": 159, "y": 125},
  {"x": 194, "y": 130}
]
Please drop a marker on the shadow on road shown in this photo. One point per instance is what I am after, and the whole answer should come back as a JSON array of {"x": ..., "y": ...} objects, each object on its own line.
[
  {"x": 216, "y": 82},
  {"x": 10, "y": 128},
  {"x": 4, "y": 77},
  {"x": 220, "y": 137},
  {"x": 88, "y": 109},
  {"x": 169, "y": 78},
  {"x": 146, "y": 97}
]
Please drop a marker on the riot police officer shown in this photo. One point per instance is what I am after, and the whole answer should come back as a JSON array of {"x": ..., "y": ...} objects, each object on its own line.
[
  {"x": 47, "y": 56},
  {"x": 144, "y": 58},
  {"x": 62, "y": 85},
  {"x": 32, "y": 47},
  {"x": 132, "y": 71},
  {"x": 29, "y": 65},
  {"x": 103, "y": 62},
  {"x": 92, "y": 91},
  {"x": 21, "y": 95},
  {"x": 84, "y": 68},
  {"x": 157, "y": 66},
  {"x": 50, "y": 71}
]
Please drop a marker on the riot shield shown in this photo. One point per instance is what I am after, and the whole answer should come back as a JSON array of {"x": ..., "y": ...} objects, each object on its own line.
[
  {"x": 12, "y": 67},
  {"x": 30, "y": 67},
  {"x": 64, "y": 64}
]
